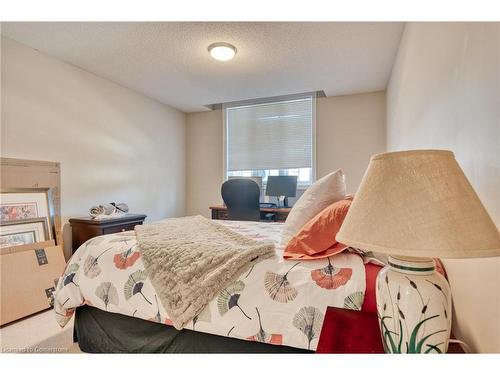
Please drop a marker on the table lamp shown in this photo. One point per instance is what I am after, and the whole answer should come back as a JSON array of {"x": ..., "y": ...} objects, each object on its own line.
[{"x": 415, "y": 206}]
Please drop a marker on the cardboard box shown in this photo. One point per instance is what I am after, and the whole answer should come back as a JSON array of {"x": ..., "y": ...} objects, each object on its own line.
[
  {"x": 28, "y": 278},
  {"x": 31, "y": 246}
]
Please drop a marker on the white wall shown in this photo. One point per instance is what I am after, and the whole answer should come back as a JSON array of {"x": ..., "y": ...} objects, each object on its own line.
[
  {"x": 113, "y": 144},
  {"x": 444, "y": 92},
  {"x": 349, "y": 129}
]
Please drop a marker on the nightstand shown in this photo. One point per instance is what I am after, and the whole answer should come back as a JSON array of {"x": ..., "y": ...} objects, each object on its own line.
[
  {"x": 85, "y": 228},
  {"x": 352, "y": 331}
]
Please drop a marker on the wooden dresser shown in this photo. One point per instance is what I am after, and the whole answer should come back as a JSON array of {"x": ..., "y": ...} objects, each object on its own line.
[{"x": 85, "y": 228}]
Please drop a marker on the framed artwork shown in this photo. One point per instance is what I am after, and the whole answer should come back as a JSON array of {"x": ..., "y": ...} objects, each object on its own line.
[
  {"x": 21, "y": 175},
  {"x": 18, "y": 211},
  {"x": 23, "y": 232},
  {"x": 23, "y": 204}
]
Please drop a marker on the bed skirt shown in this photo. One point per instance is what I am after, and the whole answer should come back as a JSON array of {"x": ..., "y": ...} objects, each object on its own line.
[{"x": 98, "y": 331}]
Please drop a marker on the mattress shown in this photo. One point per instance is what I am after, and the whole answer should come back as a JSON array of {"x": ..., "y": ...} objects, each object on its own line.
[{"x": 278, "y": 301}]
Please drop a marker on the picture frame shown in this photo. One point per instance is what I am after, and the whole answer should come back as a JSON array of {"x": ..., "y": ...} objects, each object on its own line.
[
  {"x": 23, "y": 232},
  {"x": 36, "y": 174},
  {"x": 24, "y": 204}
]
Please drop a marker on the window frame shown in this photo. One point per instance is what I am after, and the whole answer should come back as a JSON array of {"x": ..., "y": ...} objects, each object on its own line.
[{"x": 313, "y": 95}]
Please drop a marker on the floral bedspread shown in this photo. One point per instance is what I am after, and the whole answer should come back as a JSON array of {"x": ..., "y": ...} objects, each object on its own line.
[{"x": 277, "y": 301}]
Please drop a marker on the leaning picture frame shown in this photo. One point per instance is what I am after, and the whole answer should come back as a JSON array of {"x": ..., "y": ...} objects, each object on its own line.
[
  {"x": 24, "y": 204},
  {"x": 23, "y": 232}
]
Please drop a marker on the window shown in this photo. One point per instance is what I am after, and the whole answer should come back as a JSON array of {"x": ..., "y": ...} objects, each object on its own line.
[{"x": 271, "y": 139}]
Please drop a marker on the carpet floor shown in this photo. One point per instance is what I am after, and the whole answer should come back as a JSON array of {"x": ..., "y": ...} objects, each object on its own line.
[{"x": 38, "y": 333}]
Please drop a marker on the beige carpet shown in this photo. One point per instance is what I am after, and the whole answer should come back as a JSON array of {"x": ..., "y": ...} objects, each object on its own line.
[{"x": 38, "y": 334}]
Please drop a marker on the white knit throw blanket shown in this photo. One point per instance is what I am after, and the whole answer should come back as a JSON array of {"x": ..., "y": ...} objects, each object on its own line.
[{"x": 191, "y": 259}]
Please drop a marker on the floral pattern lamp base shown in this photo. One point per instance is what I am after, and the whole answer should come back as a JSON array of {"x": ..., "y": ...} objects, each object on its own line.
[{"x": 414, "y": 306}]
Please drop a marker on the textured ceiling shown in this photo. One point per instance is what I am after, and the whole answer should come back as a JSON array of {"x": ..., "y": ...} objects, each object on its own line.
[{"x": 169, "y": 61}]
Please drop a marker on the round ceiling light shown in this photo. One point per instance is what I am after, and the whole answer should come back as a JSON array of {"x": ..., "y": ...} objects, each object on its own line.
[{"x": 222, "y": 51}]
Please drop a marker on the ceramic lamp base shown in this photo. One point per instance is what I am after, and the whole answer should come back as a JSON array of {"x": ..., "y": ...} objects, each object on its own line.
[{"x": 414, "y": 306}]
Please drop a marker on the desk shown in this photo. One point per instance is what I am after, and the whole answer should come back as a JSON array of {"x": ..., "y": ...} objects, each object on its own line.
[{"x": 220, "y": 212}]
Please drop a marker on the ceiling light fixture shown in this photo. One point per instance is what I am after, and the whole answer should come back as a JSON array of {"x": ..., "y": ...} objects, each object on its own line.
[{"x": 222, "y": 51}]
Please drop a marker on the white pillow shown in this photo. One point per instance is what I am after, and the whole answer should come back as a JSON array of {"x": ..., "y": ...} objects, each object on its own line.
[{"x": 327, "y": 190}]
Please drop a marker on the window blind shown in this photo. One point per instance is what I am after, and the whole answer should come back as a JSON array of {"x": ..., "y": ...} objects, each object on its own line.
[{"x": 274, "y": 135}]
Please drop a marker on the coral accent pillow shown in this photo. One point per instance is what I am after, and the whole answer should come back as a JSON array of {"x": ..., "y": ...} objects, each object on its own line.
[
  {"x": 321, "y": 194},
  {"x": 316, "y": 239}
]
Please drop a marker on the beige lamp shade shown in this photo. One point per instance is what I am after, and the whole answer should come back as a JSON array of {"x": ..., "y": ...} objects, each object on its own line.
[{"x": 419, "y": 204}]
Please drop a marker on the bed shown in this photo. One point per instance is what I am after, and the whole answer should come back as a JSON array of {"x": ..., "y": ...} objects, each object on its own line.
[{"x": 276, "y": 306}]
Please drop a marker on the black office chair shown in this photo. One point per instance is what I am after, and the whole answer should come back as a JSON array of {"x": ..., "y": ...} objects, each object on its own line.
[{"x": 241, "y": 196}]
